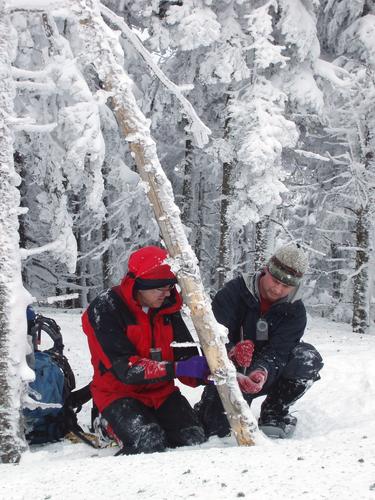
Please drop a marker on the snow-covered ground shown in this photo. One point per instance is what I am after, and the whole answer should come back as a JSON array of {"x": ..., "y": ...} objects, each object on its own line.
[{"x": 331, "y": 455}]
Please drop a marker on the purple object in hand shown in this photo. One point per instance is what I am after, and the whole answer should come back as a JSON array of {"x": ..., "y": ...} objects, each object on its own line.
[{"x": 195, "y": 366}]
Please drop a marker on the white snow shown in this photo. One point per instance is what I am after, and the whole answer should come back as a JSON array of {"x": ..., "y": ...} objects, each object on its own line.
[{"x": 330, "y": 457}]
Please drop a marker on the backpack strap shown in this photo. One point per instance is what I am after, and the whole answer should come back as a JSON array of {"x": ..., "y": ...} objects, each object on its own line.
[
  {"x": 79, "y": 397},
  {"x": 48, "y": 325}
]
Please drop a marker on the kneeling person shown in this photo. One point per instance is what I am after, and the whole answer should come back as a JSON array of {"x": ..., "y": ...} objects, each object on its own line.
[
  {"x": 130, "y": 329},
  {"x": 266, "y": 323}
]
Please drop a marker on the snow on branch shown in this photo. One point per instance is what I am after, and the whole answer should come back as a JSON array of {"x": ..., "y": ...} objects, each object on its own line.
[
  {"x": 58, "y": 298},
  {"x": 48, "y": 247},
  {"x": 310, "y": 154},
  {"x": 29, "y": 125},
  {"x": 37, "y": 87},
  {"x": 303, "y": 244},
  {"x": 65, "y": 246},
  {"x": 199, "y": 130},
  {"x": 339, "y": 77},
  {"x": 35, "y": 5}
]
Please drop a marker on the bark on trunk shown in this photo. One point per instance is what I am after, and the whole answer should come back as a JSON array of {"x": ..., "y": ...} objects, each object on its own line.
[
  {"x": 226, "y": 192},
  {"x": 336, "y": 254},
  {"x": 98, "y": 47},
  {"x": 261, "y": 242},
  {"x": 224, "y": 244},
  {"x": 187, "y": 187},
  {"x": 361, "y": 302},
  {"x": 264, "y": 241}
]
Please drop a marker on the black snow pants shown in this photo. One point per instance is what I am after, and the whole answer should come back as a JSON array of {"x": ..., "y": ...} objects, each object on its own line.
[
  {"x": 301, "y": 371},
  {"x": 142, "y": 429}
]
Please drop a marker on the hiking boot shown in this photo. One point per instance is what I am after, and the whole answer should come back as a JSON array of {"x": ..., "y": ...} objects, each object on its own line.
[
  {"x": 211, "y": 414},
  {"x": 278, "y": 426}
]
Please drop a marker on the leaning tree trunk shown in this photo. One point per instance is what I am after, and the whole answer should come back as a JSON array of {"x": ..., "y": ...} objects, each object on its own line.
[
  {"x": 11, "y": 291},
  {"x": 98, "y": 48}
]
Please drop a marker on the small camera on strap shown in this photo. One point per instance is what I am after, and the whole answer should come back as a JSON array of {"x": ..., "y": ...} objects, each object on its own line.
[{"x": 261, "y": 329}]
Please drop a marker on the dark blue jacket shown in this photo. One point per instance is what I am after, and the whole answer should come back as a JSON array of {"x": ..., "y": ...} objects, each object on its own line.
[{"x": 237, "y": 305}]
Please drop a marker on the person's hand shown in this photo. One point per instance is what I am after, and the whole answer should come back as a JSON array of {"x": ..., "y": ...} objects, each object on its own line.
[
  {"x": 254, "y": 382},
  {"x": 195, "y": 366},
  {"x": 242, "y": 353}
]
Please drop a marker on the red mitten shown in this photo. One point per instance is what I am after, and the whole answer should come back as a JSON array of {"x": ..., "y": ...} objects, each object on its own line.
[
  {"x": 254, "y": 382},
  {"x": 242, "y": 353}
]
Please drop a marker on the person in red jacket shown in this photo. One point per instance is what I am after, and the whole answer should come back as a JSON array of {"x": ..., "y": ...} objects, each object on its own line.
[{"x": 130, "y": 329}]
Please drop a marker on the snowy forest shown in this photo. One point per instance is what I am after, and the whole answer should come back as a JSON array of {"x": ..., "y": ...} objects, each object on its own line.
[
  {"x": 263, "y": 116},
  {"x": 284, "y": 91}
]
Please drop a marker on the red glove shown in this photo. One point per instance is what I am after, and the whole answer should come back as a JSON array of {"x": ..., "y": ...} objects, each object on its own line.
[
  {"x": 254, "y": 382},
  {"x": 242, "y": 353}
]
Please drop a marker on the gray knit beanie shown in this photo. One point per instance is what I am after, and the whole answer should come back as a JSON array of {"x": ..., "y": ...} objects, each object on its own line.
[{"x": 288, "y": 264}]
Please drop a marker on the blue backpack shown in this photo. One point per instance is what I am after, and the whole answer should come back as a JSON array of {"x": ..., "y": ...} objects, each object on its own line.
[{"x": 52, "y": 387}]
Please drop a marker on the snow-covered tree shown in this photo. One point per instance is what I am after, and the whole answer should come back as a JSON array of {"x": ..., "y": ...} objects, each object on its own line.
[
  {"x": 13, "y": 297},
  {"x": 345, "y": 36}
]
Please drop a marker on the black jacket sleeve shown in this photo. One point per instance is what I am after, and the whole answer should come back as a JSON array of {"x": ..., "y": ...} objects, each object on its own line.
[
  {"x": 228, "y": 306},
  {"x": 109, "y": 318}
]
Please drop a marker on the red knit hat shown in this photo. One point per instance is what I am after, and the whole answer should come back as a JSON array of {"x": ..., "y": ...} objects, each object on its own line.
[{"x": 147, "y": 265}]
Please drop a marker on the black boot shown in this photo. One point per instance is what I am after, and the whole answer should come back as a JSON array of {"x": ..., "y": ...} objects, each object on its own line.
[
  {"x": 211, "y": 414},
  {"x": 275, "y": 419}
]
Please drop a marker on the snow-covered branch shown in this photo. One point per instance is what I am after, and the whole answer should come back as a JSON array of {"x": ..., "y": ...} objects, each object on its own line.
[
  {"x": 31, "y": 252},
  {"x": 37, "y": 87},
  {"x": 35, "y": 5},
  {"x": 28, "y": 125},
  {"x": 339, "y": 77},
  {"x": 199, "y": 130},
  {"x": 310, "y": 154},
  {"x": 65, "y": 246}
]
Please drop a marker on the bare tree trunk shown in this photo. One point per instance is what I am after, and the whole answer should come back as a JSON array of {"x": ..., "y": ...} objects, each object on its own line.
[
  {"x": 361, "y": 300},
  {"x": 336, "y": 276},
  {"x": 98, "y": 50},
  {"x": 226, "y": 192},
  {"x": 187, "y": 188},
  {"x": 224, "y": 245},
  {"x": 262, "y": 229},
  {"x": 12, "y": 440},
  {"x": 200, "y": 220},
  {"x": 106, "y": 262}
]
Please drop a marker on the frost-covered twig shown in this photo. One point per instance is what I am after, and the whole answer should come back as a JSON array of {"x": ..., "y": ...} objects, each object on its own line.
[
  {"x": 304, "y": 245},
  {"x": 185, "y": 344},
  {"x": 36, "y": 87},
  {"x": 28, "y": 125},
  {"x": 48, "y": 247},
  {"x": 310, "y": 154},
  {"x": 199, "y": 130},
  {"x": 59, "y": 246},
  {"x": 60, "y": 298}
]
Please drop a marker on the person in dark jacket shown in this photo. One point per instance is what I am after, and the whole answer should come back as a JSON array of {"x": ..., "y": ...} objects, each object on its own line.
[
  {"x": 265, "y": 322},
  {"x": 130, "y": 329}
]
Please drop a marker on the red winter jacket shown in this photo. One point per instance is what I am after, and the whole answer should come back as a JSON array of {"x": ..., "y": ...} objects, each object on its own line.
[{"x": 120, "y": 335}]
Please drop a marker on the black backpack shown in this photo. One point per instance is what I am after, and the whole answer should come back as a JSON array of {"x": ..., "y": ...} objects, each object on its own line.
[{"x": 52, "y": 413}]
